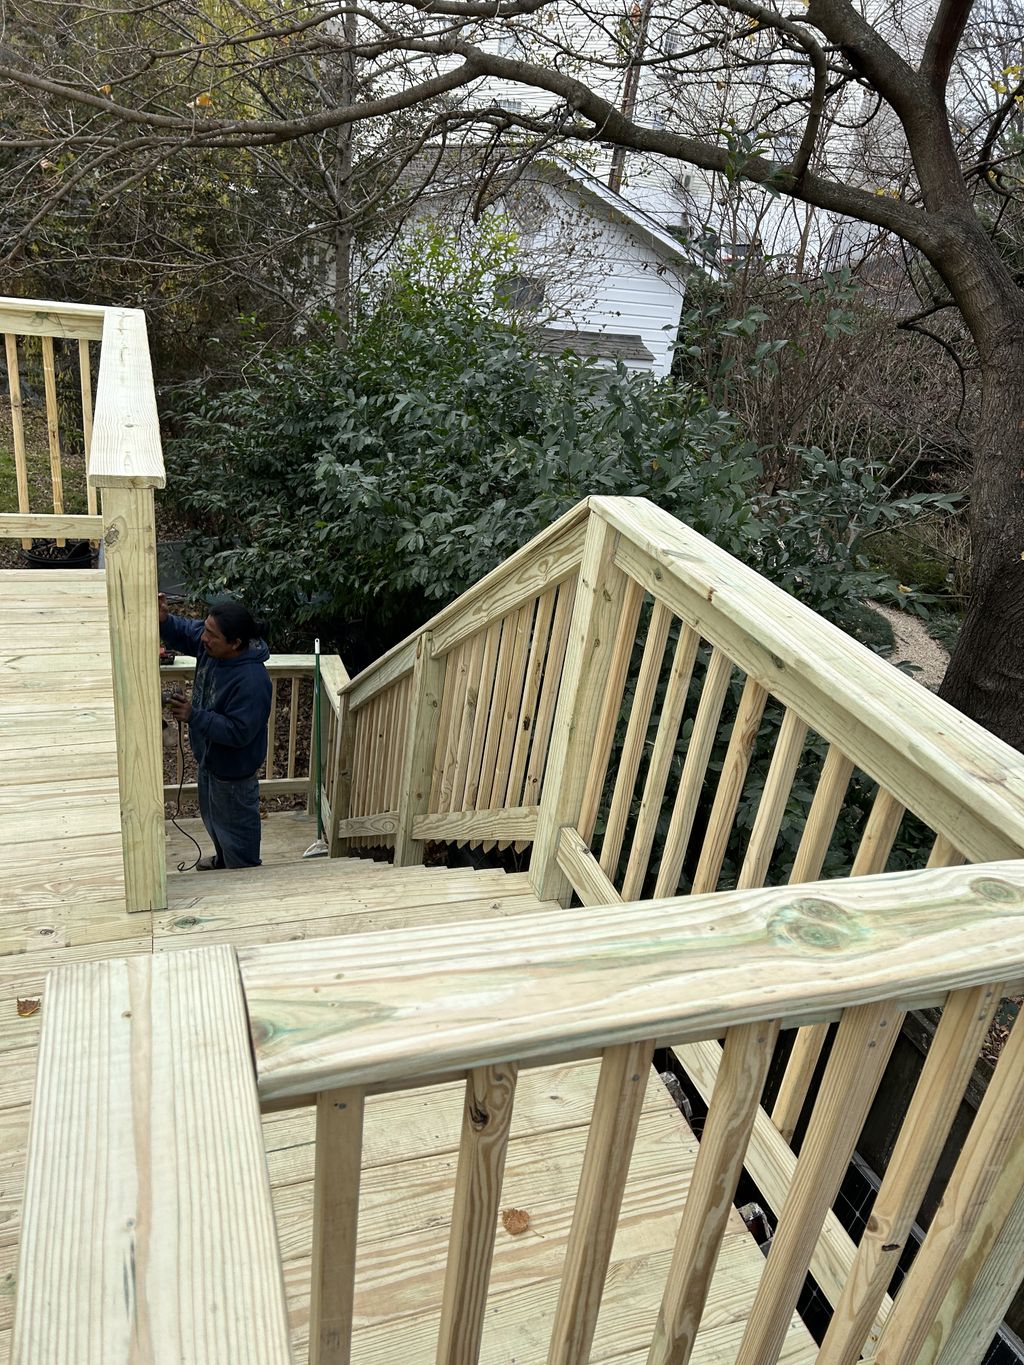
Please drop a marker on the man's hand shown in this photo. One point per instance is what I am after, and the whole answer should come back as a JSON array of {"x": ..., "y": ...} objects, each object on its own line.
[
  {"x": 180, "y": 708},
  {"x": 161, "y": 607}
]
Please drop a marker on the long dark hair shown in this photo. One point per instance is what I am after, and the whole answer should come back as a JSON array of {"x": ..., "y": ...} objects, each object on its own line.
[{"x": 237, "y": 622}]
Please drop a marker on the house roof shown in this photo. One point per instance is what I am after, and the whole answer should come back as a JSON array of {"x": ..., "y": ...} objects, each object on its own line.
[
  {"x": 598, "y": 345},
  {"x": 648, "y": 227}
]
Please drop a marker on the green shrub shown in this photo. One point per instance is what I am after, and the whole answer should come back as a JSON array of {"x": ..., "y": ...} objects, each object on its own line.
[{"x": 375, "y": 484}]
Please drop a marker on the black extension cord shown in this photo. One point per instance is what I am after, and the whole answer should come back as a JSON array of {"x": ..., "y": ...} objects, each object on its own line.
[{"x": 183, "y": 866}]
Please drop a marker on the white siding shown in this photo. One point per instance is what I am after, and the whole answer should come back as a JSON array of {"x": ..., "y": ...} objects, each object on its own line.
[{"x": 625, "y": 284}]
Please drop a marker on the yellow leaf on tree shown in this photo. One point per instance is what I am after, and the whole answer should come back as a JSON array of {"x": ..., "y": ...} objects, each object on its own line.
[{"x": 104, "y": 89}]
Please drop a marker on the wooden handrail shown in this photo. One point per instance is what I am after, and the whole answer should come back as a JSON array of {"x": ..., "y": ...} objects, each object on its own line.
[
  {"x": 126, "y": 450},
  {"x": 681, "y": 969},
  {"x": 921, "y": 749},
  {"x": 546, "y": 559},
  {"x": 41, "y": 317},
  {"x": 148, "y": 1228},
  {"x": 15, "y": 526}
]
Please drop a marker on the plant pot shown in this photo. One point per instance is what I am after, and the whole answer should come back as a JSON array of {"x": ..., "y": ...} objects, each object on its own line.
[{"x": 47, "y": 554}]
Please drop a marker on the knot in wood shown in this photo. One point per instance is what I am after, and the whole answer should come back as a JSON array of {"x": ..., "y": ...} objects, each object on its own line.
[
  {"x": 812, "y": 922},
  {"x": 999, "y": 891},
  {"x": 478, "y": 1116}
]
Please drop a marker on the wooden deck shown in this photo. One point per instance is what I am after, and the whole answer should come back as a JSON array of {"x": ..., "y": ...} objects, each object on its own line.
[
  {"x": 412, "y": 1138},
  {"x": 59, "y": 810}
]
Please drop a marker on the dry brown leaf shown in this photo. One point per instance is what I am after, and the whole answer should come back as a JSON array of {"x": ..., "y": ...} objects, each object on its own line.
[
  {"x": 28, "y": 1007},
  {"x": 515, "y": 1221}
]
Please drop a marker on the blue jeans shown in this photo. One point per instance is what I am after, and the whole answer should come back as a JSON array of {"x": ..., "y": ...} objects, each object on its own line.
[{"x": 231, "y": 814}]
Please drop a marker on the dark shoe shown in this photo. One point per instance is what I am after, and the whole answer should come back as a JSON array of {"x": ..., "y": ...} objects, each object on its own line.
[{"x": 208, "y": 864}]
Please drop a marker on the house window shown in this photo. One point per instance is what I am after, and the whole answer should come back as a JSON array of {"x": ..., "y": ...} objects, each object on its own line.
[
  {"x": 523, "y": 292},
  {"x": 510, "y": 106}
]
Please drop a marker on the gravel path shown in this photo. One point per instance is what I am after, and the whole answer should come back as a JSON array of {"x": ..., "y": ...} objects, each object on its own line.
[{"x": 913, "y": 644}]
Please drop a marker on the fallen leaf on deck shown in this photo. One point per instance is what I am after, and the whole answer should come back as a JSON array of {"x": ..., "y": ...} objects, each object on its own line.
[
  {"x": 515, "y": 1221},
  {"x": 28, "y": 1007}
]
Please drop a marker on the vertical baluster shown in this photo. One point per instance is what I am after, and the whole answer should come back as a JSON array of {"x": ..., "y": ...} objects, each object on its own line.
[
  {"x": 527, "y": 712},
  {"x": 376, "y": 709},
  {"x": 923, "y": 1134},
  {"x": 817, "y": 834},
  {"x": 402, "y": 693},
  {"x": 879, "y": 835},
  {"x": 339, "y": 1143},
  {"x": 863, "y": 1044},
  {"x": 872, "y": 855},
  {"x": 550, "y": 688},
  {"x": 810, "y": 857},
  {"x": 723, "y": 1145},
  {"x": 486, "y": 1120},
  {"x": 510, "y": 629},
  {"x": 636, "y": 738},
  {"x": 938, "y": 1283},
  {"x": 85, "y": 383},
  {"x": 330, "y": 772},
  {"x": 485, "y": 693},
  {"x": 387, "y": 736},
  {"x": 611, "y": 706},
  {"x": 1000, "y": 1268},
  {"x": 613, "y": 1124},
  {"x": 458, "y": 672},
  {"x": 467, "y": 723},
  {"x": 691, "y": 783},
  {"x": 360, "y": 767},
  {"x": 513, "y": 704},
  {"x": 53, "y": 426},
  {"x": 393, "y": 753},
  {"x": 271, "y": 730},
  {"x": 445, "y": 720},
  {"x": 789, "y": 745},
  {"x": 944, "y": 853},
  {"x": 18, "y": 428},
  {"x": 293, "y": 726},
  {"x": 660, "y": 765},
  {"x": 422, "y": 741},
  {"x": 730, "y": 787}
]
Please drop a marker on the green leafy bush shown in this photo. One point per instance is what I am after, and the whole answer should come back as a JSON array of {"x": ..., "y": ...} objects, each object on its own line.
[{"x": 376, "y": 483}]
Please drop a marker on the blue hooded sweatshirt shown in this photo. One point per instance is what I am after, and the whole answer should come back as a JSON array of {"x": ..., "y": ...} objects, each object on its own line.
[{"x": 231, "y": 701}]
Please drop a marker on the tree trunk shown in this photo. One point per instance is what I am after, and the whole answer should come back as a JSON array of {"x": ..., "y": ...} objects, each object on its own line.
[{"x": 985, "y": 678}]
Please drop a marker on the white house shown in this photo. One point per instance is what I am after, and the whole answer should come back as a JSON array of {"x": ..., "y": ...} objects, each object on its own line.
[{"x": 596, "y": 275}]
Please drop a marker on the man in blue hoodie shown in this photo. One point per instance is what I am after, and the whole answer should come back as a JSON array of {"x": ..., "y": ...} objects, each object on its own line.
[{"x": 227, "y": 723}]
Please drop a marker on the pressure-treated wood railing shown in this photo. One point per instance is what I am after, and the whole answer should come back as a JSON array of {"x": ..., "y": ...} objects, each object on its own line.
[
  {"x": 656, "y": 718},
  {"x": 620, "y": 981},
  {"x": 447, "y": 735},
  {"x": 290, "y": 767},
  {"x": 121, "y": 442},
  {"x": 49, "y": 344},
  {"x": 180, "y": 1195}
]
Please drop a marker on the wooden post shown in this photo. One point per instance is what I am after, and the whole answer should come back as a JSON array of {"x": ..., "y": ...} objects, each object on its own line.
[
  {"x": 341, "y": 806},
  {"x": 129, "y": 540},
  {"x": 600, "y": 597},
  {"x": 421, "y": 735}
]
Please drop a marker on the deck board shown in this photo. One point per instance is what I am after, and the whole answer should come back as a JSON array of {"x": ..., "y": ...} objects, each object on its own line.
[{"x": 411, "y": 1138}]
